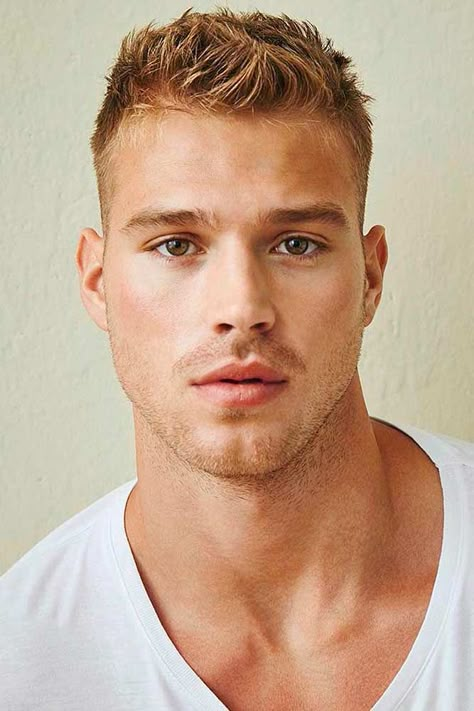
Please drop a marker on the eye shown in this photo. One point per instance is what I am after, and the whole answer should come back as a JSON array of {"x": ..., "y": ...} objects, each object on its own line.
[
  {"x": 175, "y": 247},
  {"x": 300, "y": 244}
]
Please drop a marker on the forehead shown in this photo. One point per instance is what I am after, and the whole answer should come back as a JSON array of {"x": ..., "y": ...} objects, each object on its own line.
[{"x": 234, "y": 166}]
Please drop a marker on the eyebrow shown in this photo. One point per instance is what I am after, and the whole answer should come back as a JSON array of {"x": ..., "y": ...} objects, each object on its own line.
[{"x": 327, "y": 213}]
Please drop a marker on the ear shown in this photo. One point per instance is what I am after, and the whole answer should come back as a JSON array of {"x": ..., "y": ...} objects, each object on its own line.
[
  {"x": 89, "y": 262},
  {"x": 376, "y": 256}
]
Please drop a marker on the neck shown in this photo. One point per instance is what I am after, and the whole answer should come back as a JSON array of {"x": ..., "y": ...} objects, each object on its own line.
[{"x": 310, "y": 539}]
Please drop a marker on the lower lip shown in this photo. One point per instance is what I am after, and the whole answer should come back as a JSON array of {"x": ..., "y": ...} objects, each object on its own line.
[{"x": 240, "y": 395}]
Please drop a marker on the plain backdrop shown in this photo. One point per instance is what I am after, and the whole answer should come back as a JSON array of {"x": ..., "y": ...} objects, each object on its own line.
[{"x": 67, "y": 430}]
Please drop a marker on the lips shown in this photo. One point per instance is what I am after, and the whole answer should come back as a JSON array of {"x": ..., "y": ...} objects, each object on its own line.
[
  {"x": 240, "y": 374},
  {"x": 240, "y": 394}
]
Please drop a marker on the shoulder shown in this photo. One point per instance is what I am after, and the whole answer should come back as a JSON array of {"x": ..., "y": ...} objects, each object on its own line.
[
  {"x": 454, "y": 457},
  {"x": 449, "y": 450},
  {"x": 442, "y": 449},
  {"x": 53, "y": 562},
  {"x": 50, "y": 600}
]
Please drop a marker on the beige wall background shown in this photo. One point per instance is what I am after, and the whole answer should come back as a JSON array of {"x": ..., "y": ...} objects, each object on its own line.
[{"x": 66, "y": 428}]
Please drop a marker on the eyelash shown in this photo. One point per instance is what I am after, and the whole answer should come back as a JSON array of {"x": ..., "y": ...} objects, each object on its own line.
[{"x": 173, "y": 258}]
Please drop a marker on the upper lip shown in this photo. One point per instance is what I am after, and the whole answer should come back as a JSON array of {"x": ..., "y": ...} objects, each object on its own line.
[{"x": 237, "y": 371}]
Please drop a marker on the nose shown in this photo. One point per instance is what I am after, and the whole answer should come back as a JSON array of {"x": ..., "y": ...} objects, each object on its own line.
[{"x": 238, "y": 292}]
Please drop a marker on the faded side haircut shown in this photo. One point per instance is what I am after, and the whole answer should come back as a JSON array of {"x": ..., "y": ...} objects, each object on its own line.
[{"x": 223, "y": 62}]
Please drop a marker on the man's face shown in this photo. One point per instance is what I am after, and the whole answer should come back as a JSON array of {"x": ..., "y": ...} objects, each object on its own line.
[{"x": 236, "y": 290}]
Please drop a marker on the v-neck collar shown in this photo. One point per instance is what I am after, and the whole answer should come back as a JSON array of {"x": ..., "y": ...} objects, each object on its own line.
[{"x": 203, "y": 699}]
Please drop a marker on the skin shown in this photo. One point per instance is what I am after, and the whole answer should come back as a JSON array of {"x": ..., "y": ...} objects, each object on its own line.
[{"x": 271, "y": 530}]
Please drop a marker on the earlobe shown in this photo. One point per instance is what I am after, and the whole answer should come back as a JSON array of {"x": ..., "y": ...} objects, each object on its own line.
[
  {"x": 376, "y": 257},
  {"x": 89, "y": 262}
]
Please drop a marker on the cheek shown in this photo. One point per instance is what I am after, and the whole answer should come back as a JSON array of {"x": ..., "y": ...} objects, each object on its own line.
[
  {"x": 345, "y": 294},
  {"x": 332, "y": 302},
  {"x": 137, "y": 298},
  {"x": 145, "y": 316},
  {"x": 146, "y": 306}
]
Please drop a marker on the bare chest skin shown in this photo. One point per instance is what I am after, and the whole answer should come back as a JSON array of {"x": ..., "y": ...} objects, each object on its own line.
[
  {"x": 351, "y": 670},
  {"x": 349, "y": 676}
]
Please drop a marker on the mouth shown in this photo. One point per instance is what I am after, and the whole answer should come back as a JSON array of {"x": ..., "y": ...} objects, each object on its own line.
[
  {"x": 239, "y": 382},
  {"x": 248, "y": 392}
]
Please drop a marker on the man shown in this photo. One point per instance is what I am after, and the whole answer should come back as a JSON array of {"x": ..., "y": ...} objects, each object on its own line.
[{"x": 279, "y": 549}]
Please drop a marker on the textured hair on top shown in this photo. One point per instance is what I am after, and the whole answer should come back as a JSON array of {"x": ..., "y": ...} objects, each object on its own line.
[{"x": 227, "y": 62}]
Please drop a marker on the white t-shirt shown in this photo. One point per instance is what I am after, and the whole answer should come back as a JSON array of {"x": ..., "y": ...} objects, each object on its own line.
[{"x": 78, "y": 631}]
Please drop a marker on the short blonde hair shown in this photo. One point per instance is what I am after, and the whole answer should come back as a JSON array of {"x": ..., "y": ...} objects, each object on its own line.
[{"x": 231, "y": 62}]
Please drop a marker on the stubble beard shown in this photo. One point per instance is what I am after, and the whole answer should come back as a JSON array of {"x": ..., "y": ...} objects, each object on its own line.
[{"x": 246, "y": 462}]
